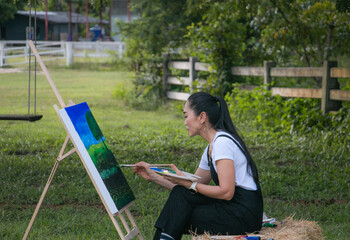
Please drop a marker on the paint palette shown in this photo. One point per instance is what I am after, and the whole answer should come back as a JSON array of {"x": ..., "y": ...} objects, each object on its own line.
[{"x": 171, "y": 173}]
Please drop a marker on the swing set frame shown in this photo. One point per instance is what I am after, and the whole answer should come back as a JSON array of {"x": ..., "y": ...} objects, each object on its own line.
[{"x": 28, "y": 117}]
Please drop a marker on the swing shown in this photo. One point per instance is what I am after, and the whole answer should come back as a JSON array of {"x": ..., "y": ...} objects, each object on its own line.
[{"x": 28, "y": 117}]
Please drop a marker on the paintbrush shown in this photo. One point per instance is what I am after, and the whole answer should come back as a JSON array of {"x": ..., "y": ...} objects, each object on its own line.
[{"x": 151, "y": 165}]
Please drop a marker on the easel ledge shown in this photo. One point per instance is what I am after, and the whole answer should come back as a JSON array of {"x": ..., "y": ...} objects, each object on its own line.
[{"x": 132, "y": 231}]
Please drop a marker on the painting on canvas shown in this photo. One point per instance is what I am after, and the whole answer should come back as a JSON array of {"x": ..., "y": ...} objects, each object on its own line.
[{"x": 97, "y": 156}]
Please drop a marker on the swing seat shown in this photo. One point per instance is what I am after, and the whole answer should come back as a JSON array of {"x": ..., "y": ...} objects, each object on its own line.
[{"x": 30, "y": 118}]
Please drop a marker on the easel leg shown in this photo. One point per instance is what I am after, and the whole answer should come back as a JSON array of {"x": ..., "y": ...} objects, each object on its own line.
[
  {"x": 132, "y": 220},
  {"x": 116, "y": 225},
  {"x": 131, "y": 232},
  {"x": 41, "y": 200},
  {"x": 60, "y": 157}
]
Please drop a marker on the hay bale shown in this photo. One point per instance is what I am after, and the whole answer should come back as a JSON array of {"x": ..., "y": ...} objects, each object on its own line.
[
  {"x": 291, "y": 229},
  {"x": 288, "y": 229}
]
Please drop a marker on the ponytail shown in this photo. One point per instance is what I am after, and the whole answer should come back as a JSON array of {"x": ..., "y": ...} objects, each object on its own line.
[{"x": 219, "y": 117}]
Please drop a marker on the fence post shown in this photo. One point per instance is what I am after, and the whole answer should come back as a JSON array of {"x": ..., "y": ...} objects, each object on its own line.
[
  {"x": 97, "y": 48},
  {"x": 166, "y": 73},
  {"x": 329, "y": 83},
  {"x": 2, "y": 54},
  {"x": 267, "y": 76},
  {"x": 192, "y": 72},
  {"x": 120, "y": 51},
  {"x": 63, "y": 48},
  {"x": 26, "y": 52},
  {"x": 69, "y": 53}
]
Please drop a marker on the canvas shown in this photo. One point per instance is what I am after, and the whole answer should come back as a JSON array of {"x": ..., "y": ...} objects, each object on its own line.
[{"x": 97, "y": 156}]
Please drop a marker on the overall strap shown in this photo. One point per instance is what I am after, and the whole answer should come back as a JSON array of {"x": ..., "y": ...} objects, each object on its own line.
[
  {"x": 235, "y": 141},
  {"x": 213, "y": 173}
]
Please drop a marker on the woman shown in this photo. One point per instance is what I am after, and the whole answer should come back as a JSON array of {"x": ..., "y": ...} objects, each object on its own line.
[{"x": 234, "y": 205}]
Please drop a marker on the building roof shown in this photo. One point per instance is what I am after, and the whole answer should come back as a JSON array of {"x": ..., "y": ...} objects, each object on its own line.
[{"x": 61, "y": 17}]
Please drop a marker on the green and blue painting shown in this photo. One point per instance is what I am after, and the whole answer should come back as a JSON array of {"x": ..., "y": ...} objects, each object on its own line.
[{"x": 93, "y": 148}]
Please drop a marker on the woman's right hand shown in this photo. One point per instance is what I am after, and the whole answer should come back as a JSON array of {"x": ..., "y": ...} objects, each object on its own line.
[{"x": 143, "y": 169}]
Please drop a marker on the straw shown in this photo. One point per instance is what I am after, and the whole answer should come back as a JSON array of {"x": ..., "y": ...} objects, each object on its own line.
[{"x": 288, "y": 229}]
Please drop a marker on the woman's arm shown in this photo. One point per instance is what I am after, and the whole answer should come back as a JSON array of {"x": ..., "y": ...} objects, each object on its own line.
[
  {"x": 226, "y": 175},
  {"x": 226, "y": 188},
  {"x": 204, "y": 174},
  {"x": 143, "y": 169}
]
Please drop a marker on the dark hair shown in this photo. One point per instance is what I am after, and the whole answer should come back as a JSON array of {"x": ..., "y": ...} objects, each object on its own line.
[{"x": 219, "y": 117}]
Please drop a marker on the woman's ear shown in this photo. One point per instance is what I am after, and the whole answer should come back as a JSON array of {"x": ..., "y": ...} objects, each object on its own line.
[{"x": 202, "y": 117}]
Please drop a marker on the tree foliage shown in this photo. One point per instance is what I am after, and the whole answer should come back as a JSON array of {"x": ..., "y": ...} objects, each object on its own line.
[
  {"x": 218, "y": 38},
  {"x": 304, "y": 31},
  {"x": 8, "y": 8},
  {"x": 159, "y": 29},
  {"x": 343, "y": 5},
  {"x": 160, "y": 26},
  {"x": 236, "y": 32}
]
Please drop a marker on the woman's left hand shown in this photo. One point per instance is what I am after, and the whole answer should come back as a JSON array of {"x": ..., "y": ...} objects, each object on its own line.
[{"x": 178, "y": 181}]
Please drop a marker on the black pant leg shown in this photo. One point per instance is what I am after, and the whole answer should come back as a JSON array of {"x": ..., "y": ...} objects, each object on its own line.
[
  {"x": 240, "y": 215},
  {"x": 157, "y": 234},
  {"x": 177, "y": 210}
]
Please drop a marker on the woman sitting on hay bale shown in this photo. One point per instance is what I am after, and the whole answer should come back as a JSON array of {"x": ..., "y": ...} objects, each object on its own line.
[{"x": 234, "y": 205}]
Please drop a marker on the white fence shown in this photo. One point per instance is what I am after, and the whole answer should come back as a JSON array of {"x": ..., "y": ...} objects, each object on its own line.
[{"x": 17, "y": 52}]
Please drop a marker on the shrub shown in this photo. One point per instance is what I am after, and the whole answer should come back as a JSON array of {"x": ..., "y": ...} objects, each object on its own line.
[
  {"x": 284, "y": 115},
  {"x": 146, "y": 93}
]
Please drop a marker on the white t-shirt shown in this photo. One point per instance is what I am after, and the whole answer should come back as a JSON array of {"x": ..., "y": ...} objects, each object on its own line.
[{"x": 225, "y": 148}]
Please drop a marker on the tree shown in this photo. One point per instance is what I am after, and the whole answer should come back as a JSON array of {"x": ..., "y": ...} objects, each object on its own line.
[
  {"x": 160, "y": 27},
  {"x": 217, "y": 39},
  {"x": 213, "y": 31},
  {"x": 57, "y": 5},
  {"x": 100, "y": 5},
  {"x": 228, "y": 33},
  {"x": 8, "y": 9},
  {"x": 305, "y": 31},
  {"x": 70, "y": 20},
  {"x": 343, "y": 5},
  {"x": 87, "y": 19}
]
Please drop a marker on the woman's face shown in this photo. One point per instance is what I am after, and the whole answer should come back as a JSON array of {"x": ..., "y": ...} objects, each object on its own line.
[{"x": 191, "y": 121}]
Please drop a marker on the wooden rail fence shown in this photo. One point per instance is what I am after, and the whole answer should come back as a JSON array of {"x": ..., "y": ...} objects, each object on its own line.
[{"x": 330, "y": 94}]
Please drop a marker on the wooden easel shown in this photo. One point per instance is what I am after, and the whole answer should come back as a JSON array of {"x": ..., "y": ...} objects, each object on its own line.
[{"x": 131, "y": 231}]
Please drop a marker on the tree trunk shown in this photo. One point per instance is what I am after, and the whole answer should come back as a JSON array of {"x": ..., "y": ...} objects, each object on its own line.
[
  {"x": 87, "y": 19},
  {"x": 46, "y": 22},
  {"x": 70, "y": 21},
  {"x": 101, "y": 25},
  {"x": 110, "y": 22},
  {"x": 329, "y": 41}
]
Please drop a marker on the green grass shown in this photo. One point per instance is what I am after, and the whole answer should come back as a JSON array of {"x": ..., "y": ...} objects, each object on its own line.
[{"x": 304, "y": 175}]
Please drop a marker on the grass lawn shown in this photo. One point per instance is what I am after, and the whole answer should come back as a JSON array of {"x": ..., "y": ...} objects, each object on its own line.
[{"x": 301, "y": 175}]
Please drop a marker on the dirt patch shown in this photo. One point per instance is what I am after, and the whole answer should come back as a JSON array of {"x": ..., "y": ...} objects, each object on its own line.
[{"x": 11, "y": 70}]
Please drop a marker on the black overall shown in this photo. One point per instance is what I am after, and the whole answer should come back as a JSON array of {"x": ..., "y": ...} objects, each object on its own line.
[{"x": 185, "y": 212}]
